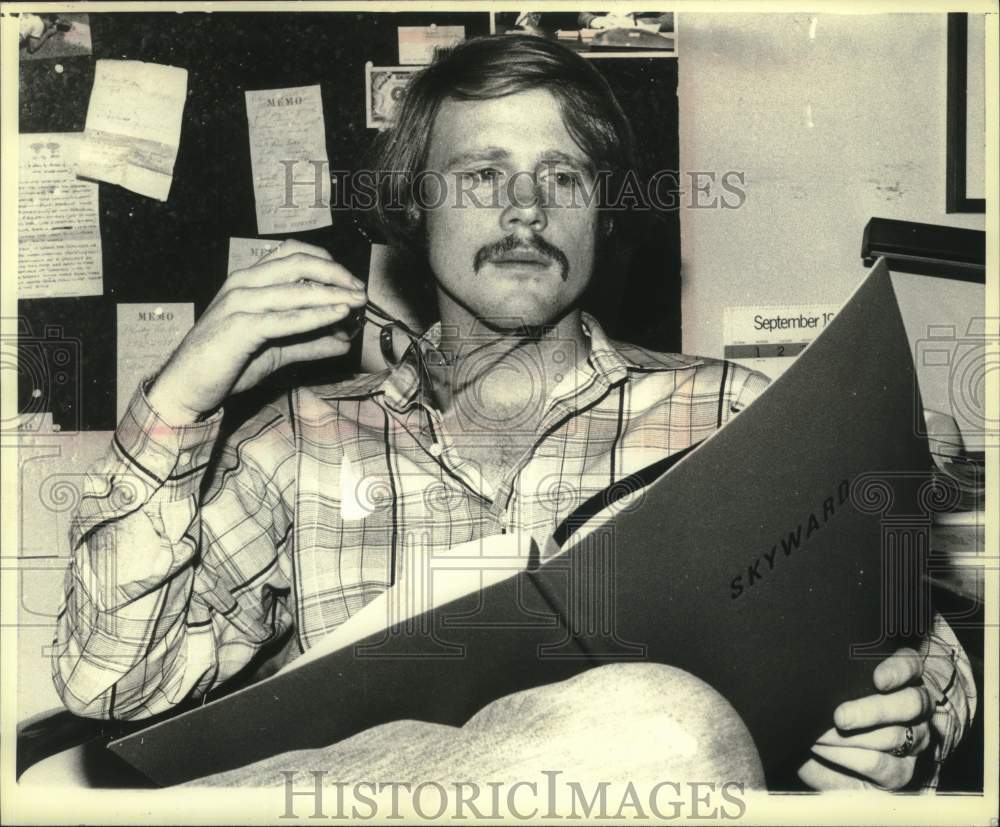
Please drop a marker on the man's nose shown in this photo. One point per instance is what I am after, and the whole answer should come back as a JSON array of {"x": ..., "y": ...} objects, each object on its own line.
[{"x": 524, "y": 208}]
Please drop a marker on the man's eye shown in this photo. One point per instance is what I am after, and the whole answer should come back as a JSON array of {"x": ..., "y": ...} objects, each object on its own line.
[
  {"x": 562, "y": 178},
  {"x": 486, "y": 175}
]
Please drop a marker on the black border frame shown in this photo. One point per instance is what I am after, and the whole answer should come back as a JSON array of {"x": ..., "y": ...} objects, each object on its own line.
[{"x": 956, "y": 200}]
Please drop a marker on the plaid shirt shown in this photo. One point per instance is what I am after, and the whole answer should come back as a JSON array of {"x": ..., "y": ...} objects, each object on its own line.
[{"x": 186, "y": 565}]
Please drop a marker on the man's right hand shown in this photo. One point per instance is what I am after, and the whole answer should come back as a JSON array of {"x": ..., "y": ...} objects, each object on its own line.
[{"x": 259, "y": 321}]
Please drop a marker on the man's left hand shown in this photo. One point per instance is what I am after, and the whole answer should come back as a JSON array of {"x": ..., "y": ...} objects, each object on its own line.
[{"x": 876, "y": 739}]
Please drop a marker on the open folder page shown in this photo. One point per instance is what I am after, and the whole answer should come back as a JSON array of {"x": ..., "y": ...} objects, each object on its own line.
[{"x": 779, "y": 562}]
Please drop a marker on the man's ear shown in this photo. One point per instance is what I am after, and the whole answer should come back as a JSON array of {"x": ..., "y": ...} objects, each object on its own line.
[{"x": 607, "y": 225}]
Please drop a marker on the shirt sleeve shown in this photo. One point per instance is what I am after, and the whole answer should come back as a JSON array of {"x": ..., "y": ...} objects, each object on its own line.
[
  {"x": 158, "y": 603},
  {"x": 948, "y": 676},
  {"x": 31, "y": 26},
  {"x": 751, "y": 385}
]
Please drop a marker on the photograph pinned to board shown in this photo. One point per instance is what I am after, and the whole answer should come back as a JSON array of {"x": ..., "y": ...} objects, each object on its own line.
[
  {"x": 43, "y": 36},
  {"x": 419, "y": 44},
  {"x": 597, "y": 34},
  {"x": 384, "y": 86}
]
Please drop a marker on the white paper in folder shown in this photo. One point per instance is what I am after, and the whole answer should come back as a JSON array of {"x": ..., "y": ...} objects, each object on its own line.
[{"x": 429, "y": 580}]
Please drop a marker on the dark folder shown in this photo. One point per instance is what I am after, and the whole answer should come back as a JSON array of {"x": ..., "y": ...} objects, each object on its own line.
[{"x": 779, "y": 562}]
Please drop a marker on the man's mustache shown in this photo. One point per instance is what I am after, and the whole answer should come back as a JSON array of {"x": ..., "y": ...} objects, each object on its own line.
[{"x": 511, "y": 243}]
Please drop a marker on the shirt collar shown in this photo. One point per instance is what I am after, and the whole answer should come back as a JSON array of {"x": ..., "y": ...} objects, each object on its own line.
[
  {"x": 402, "y": 386},
  {"x": 607, "y": 361}
]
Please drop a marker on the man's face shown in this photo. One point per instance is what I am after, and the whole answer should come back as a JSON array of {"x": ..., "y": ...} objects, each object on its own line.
[{"x": 512, "y": 242}]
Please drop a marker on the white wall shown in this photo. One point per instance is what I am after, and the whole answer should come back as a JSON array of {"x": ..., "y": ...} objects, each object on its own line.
[{"x": 833, "y": 122}]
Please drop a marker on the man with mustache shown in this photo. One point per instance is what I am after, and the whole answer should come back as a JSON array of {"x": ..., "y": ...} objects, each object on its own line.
[{"x": 197, "y": 556}]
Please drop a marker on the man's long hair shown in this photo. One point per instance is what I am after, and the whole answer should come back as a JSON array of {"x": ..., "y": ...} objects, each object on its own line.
[{"x": 484, "y": 68}]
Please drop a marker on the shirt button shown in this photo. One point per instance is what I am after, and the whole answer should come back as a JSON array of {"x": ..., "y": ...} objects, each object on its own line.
[
  {"x": 184, "y": 458},
  {"x": 436, "y": 449}
]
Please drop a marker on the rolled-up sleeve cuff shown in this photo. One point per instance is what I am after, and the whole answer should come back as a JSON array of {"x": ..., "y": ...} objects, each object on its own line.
[
  {"x": 160, "y": 452},
  {"x": 754, "y": 385}
]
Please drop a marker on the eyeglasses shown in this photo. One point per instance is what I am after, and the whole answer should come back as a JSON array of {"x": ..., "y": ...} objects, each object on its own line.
[{"x": 374, "y": 315}]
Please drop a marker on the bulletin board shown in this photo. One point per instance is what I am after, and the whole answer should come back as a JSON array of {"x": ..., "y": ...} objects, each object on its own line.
[{"x": 176, "y": 251}]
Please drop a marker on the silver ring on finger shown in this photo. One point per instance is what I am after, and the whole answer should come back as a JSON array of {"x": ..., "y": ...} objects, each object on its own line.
[{"x": 904, "y": 749}]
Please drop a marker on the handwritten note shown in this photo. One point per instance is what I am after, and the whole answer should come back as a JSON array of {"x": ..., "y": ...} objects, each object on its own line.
[
  {"x": 147, "y": 335},
  {"x": 291, "y": 176},
  {"x": 59, "y": 235},
  {"x": 417, "y": 44},
  {"x": 134, "y": 125},
  {"x": 245, "y": 252}
]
